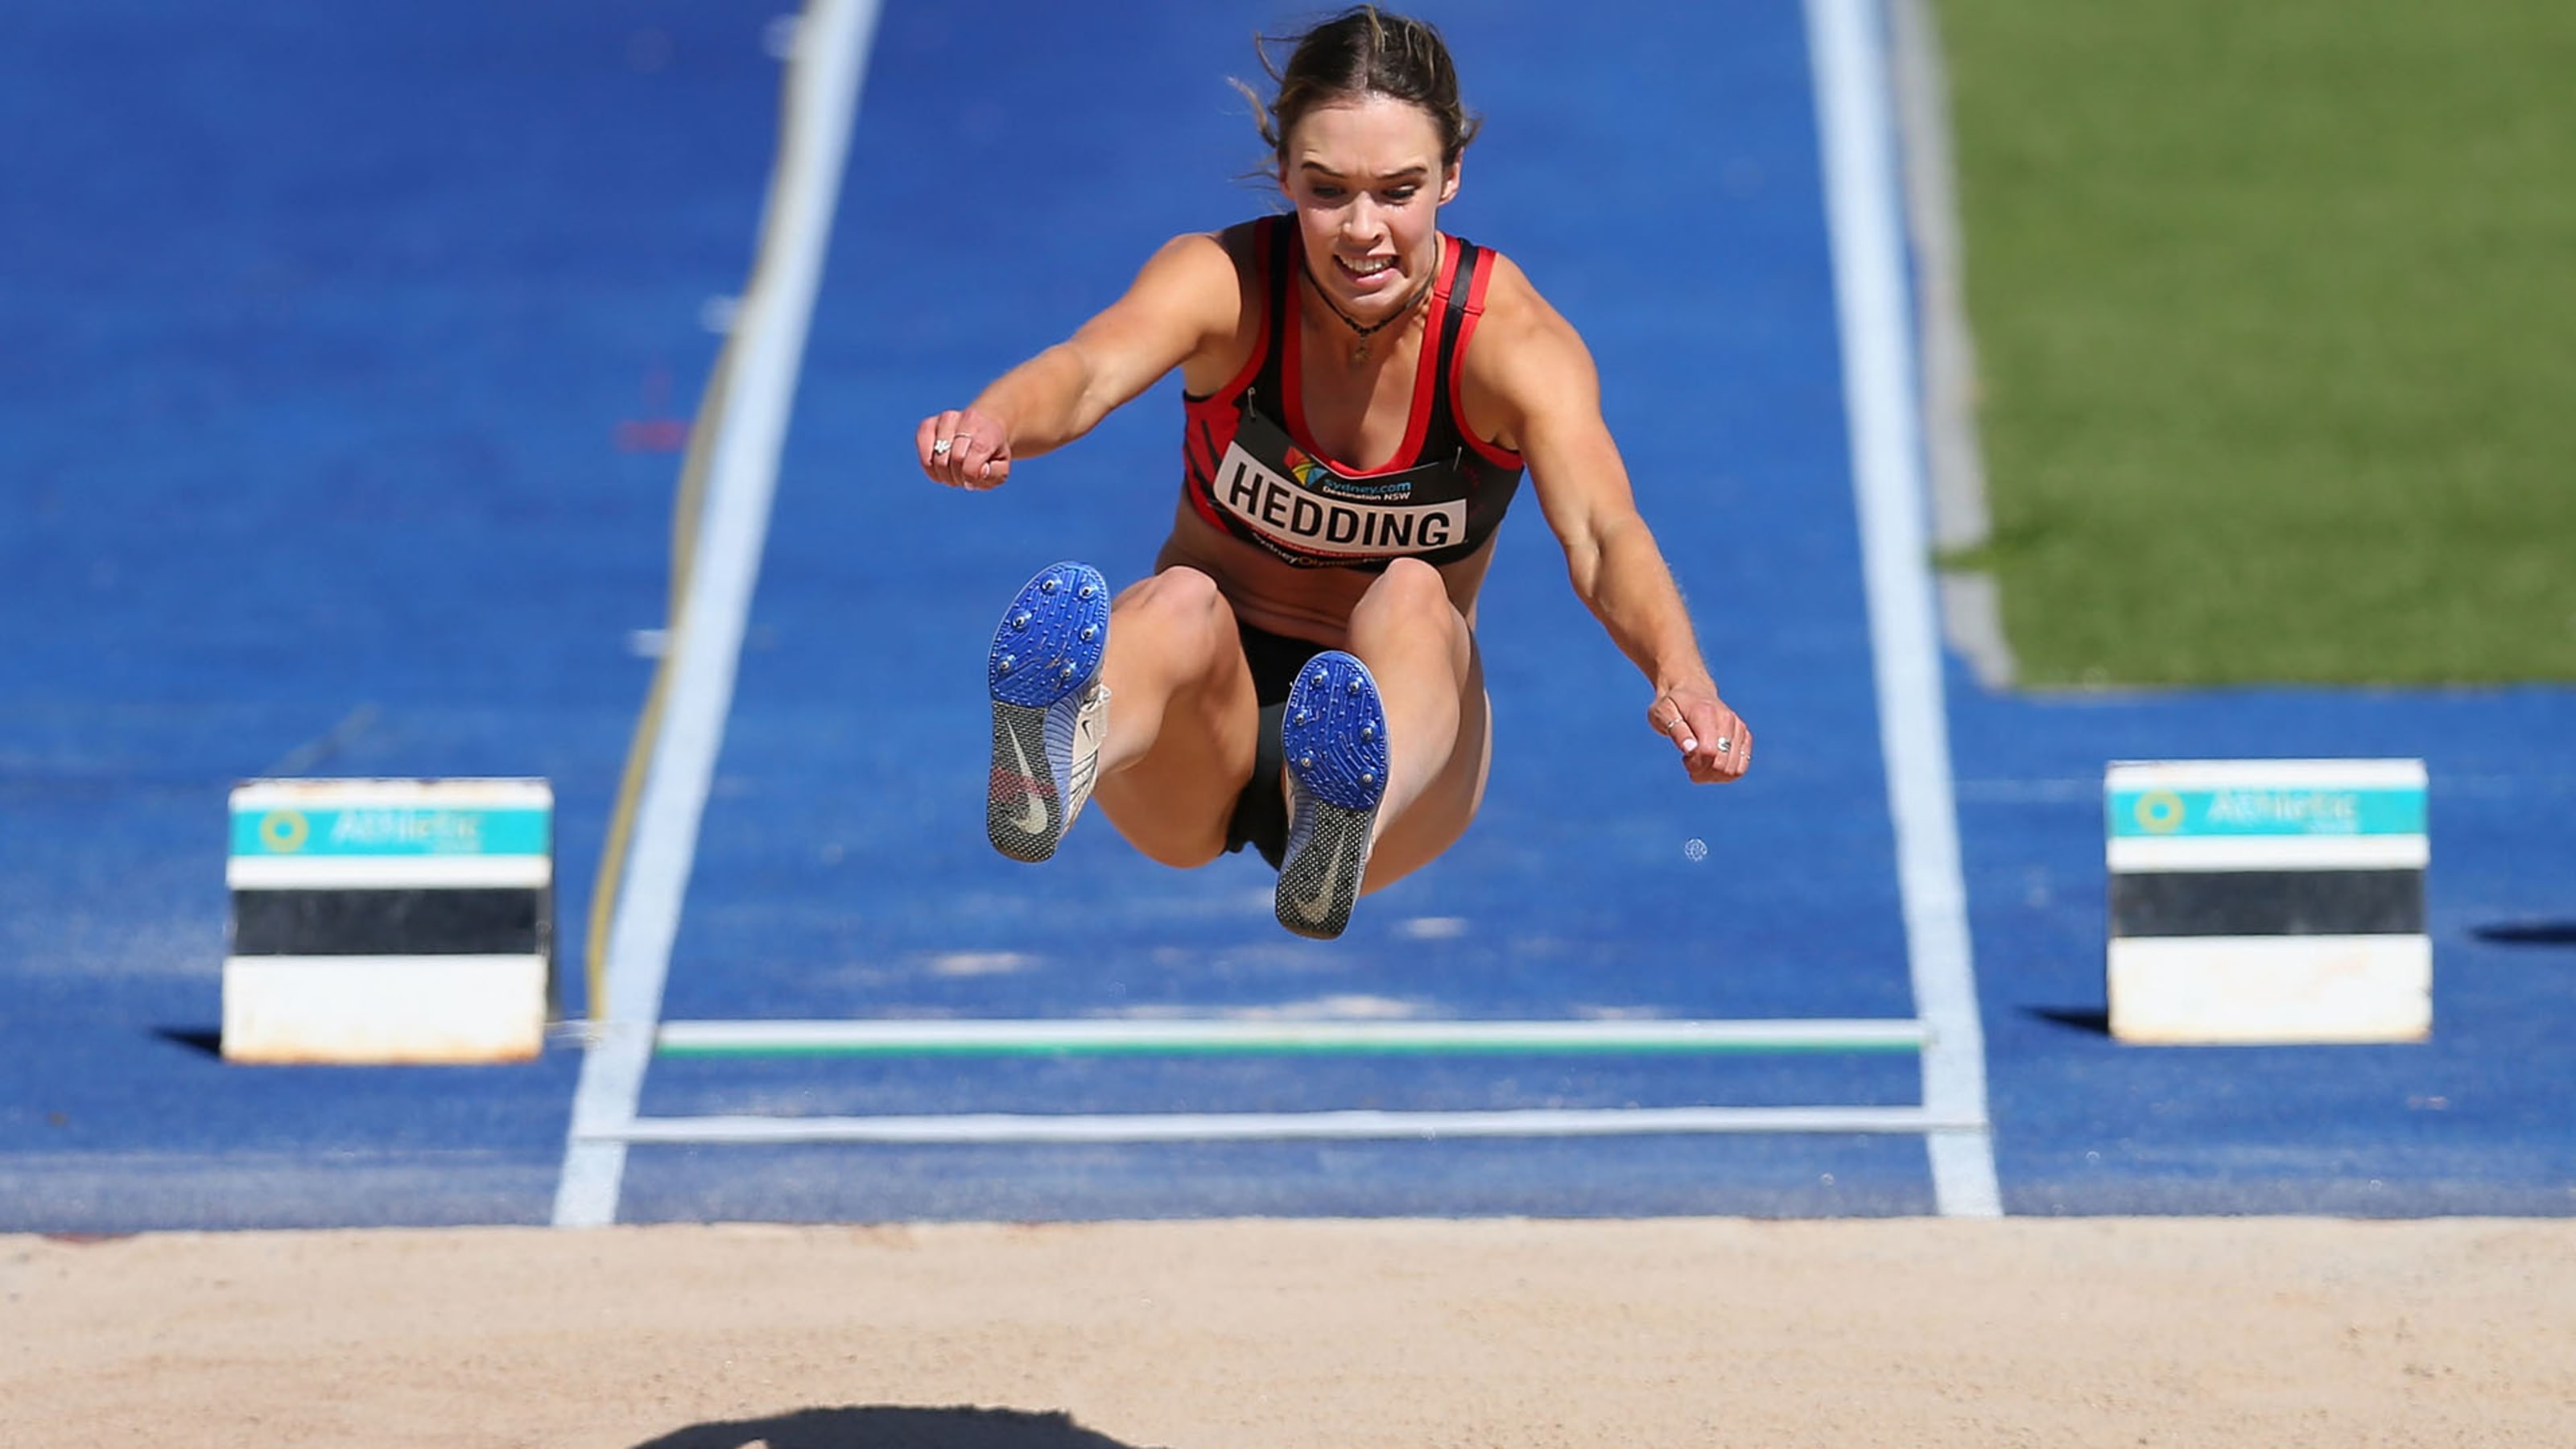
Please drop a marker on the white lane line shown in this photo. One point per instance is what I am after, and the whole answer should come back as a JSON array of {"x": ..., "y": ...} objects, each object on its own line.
[
  {"x": 1862, "y": 187},
  {"x": 823, "y": 79},
  {"x": 1116, "y": 1034},
  {"x": 1971, "y": 599},
  {"x": 1280, "y": 1126}
]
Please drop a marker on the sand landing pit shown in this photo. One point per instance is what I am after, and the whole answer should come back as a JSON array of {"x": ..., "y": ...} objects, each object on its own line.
[{"x": 1236, "y": 1335}]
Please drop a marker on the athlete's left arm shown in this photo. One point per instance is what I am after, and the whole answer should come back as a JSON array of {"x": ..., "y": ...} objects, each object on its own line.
[{"x": 1530, "y": 368}]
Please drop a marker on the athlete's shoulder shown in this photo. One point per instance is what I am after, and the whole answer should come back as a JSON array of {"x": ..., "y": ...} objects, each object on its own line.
[
  {"x": 1525, "y": 363},
  {"x": 1204, "y": 284},
  {"x": 1195, "y": 273},
  {"x": 1247, "y": 237},
  {"x": 1209, "y": 259},
  {"x": 1202, "y": 253},
  {"x": 1520, "y": 327}
]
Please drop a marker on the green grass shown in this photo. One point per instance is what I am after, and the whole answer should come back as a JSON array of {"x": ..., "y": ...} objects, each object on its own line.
[{"x": 2275, "y": 310}]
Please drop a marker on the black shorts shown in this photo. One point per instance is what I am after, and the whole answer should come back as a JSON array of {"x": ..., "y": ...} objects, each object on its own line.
[{"x": 1260, "y": 817}]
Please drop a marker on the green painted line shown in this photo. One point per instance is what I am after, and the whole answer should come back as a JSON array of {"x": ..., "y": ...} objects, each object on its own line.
[
  {"x": 2152, "y": 813},
  {"x": 397, "y": 830}
]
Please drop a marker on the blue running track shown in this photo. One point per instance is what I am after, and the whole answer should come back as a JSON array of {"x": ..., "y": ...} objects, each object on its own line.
[{"x": 348, "y": 349}]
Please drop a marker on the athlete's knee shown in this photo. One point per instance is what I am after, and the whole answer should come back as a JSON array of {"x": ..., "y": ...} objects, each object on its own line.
[
  {"x": 1411, "y": 578},
  {"x": 1182, "y": 607},
  {"x": 1412, "y": 597},
  {"x": 1176, "y": 586}
]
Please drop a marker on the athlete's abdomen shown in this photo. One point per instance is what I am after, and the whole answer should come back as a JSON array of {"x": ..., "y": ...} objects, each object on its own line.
[{"x": 1302, "y": 603}]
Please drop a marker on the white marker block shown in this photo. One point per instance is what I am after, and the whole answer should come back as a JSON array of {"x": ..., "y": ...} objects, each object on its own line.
[
  {"x": 390, "y": 921},
  {"x": 2268, "y": 901}
]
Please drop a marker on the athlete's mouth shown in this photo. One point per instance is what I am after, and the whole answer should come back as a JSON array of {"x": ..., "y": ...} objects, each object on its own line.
[{"x": 1364, "y": 269}]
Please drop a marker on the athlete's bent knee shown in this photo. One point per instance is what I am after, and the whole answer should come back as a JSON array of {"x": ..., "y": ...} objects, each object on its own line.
[
  {"x": 1181, "y": 605},
  {"x": 1410, "y": 596},
  {"x": 1410, "y": 577},
  {"x": 1179, "y": 587}
]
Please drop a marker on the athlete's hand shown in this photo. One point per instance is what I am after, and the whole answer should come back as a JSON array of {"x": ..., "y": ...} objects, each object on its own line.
[
  {"x": 1715, "y": 745},
  {"x": 964, "y": 449}
]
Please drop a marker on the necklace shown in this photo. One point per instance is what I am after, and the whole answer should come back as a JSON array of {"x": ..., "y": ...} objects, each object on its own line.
[{"x": 1367, "y": 331}]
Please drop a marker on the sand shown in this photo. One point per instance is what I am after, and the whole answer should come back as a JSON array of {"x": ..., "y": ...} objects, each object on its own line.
[{"x": 1235, "y": 1335}]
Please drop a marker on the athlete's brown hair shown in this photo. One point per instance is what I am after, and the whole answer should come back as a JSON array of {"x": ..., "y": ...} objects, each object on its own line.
[{"x": 1362, "y": 51}]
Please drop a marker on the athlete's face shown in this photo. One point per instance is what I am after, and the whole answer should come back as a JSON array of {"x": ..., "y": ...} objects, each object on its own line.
[{"x": 1366, "y": 177}]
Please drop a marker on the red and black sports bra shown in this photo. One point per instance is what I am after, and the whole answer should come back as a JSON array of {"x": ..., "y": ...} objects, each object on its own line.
[{"x": 1253, "y": 471}]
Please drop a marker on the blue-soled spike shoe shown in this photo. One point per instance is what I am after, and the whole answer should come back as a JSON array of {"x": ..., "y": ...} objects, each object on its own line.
[
  {"x": 1333, "y": 734},
  {"x": 1050, "y": 710}
]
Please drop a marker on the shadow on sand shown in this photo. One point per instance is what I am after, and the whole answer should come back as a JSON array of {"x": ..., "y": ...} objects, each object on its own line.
[{"x": 880, "y": 1426}]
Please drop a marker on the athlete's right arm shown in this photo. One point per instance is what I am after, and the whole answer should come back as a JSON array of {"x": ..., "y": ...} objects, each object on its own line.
[{"x": 1184, "y": 302}]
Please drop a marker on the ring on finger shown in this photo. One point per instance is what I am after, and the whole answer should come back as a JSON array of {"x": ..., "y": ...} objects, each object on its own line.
[
  {"x": 939, "y": 448},
  {"x": 1724, "y": 744}
]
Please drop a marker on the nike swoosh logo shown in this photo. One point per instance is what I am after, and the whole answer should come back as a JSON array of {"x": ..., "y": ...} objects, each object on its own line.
[
  {"x": 1089, "y": 729},
  {"x": 1032, "y": 817},
  {"x": 1317, "y": 908}
]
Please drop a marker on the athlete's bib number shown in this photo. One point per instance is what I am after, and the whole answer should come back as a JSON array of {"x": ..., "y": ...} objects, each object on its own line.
[{"x": 1295, "y": 517}]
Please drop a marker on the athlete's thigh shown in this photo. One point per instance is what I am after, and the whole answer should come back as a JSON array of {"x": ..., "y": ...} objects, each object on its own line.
[
  {"x": 1177, "y": 676},
  {"x": 1446, "y": 806}
]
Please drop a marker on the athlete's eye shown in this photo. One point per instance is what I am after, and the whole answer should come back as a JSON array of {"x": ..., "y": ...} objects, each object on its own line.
[
  {"x": 1401, "y": 194},
  {"x": 1326, "y": 193}
]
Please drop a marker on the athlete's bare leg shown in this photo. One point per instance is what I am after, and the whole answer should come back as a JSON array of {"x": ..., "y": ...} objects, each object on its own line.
[
  {"x": 1438, "y": 724},
  {"x": 1183, "y": 718}
]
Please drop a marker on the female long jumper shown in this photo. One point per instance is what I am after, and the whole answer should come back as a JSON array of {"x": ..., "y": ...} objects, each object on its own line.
[{"x": 1363, "y": 394}]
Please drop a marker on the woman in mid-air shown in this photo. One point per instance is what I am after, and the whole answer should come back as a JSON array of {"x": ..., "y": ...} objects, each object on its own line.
[{"x": 1363, "y": 393}]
